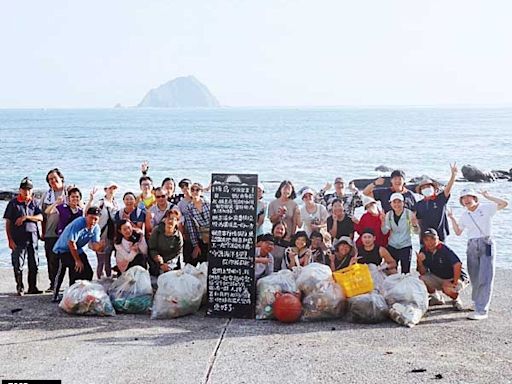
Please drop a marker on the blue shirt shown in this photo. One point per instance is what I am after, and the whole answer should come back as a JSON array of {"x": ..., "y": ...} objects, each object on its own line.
[
  {"x": 28, "y": 230},
  {"x": 77, "y": 232},
  {"x": 441, "y": 262},
  {"x": 431, "y": 213},
  {"x": 383, "y": 195}
]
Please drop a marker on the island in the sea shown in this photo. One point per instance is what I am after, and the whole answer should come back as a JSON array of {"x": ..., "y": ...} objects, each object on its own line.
[{"x": 182, "y": 92}]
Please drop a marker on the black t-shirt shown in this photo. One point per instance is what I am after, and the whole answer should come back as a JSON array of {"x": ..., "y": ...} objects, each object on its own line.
[
  {"x": 28, "y": 230},
  {"x": 431, "y": 213},
  {"x": 383, "y": 195},
  {"x": 441, "y": 262},
  {"x": 369, "y": 257},
  {"x": 343, "y": 228}
]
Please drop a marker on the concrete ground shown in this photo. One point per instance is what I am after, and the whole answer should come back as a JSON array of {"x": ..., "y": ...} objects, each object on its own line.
[{"x": 38, "y": 341}]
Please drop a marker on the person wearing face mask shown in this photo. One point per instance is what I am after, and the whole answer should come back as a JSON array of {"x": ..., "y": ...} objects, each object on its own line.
[{"x": 431, "y": 211}]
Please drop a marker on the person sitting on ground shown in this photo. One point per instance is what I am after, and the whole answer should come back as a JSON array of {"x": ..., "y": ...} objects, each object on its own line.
[
  {"x": 131, "y": 247},
  {"x": 400, "y": 223},
  {"x": 370, "y": 219},
  {"x": 481, "y": 251},
  {"x": 166, "y": 245},
  {"x": 344, "y": 254},
  {"x": 318, "y": 248},
  {"x": 67, "y": 211},
  {"x": 339, "y": 224},
  {"x": 280, "y": 244},
  {"x": 431, "y": 211},
  {"x": 264, "y": 260},
  {"x": 313, "y": 215},
  {"x": 299, "y": 254},
  {"x": 70, "y": 249},
  {"x": 350, "y": 201},
  {"x": 440, "y": 268},
  {"x": 284, "y": 208},
  {"x": 371, "y": 253},
  {"x": 397, "y": 186},
  {"x": 21, "y": 217},
  {"x": 261, "y": 210}
]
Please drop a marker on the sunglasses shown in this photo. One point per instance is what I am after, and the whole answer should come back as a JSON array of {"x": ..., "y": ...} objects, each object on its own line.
[{"x": 159, "y": 196}]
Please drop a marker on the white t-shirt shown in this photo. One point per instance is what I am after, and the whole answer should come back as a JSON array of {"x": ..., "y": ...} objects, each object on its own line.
[
  {"x": 320, "y": 216},
  {"x": 482, "y": 216}
]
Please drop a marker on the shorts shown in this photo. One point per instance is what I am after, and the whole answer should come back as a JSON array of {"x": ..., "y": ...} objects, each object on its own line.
[{"x": 437, "y": 282}]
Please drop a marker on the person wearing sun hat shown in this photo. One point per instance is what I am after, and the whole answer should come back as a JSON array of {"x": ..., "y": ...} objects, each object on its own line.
[
  {"x": 431, "y": 211},
  {"x": 21, "y": 217},
  {"x": 476, "y": 221},
  {"x": 370, "y": 219},
  {"x": 344, "y": 254}
]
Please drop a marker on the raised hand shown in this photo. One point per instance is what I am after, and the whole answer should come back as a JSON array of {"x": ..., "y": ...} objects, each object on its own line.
[
  {"x": 327, "y": 186},
  {"x": 144, "y": 166},
  {"x": 454, "y": 169},
  {"x": 92, "y": 193},
  {"x": 414, "y": 220},
  {"x": 485, "y": 193},
  {"x": 355, "y": 220},
  {"x": 352, "y": 187},
  {"x": 420, "y": 257},
  {"x": 380, "y": 181},
  {"x": 382, "y": 216}
]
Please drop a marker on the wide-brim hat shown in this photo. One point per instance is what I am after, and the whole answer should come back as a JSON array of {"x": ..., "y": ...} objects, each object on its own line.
[
  {"x": 467, "y": 192},
  {"x": 366, "y": 200},
  {"x": 424, "y": 183}
]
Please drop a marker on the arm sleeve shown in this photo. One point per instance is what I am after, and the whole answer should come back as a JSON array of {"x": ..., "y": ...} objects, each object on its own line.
[
  {"x": 96, "y": 234},
  {"x": 9, "y": 213},
  {"x": 191, "y": 228}
]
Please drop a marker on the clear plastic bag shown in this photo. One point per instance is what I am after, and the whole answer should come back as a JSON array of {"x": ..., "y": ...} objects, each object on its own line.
[
  {"x": 179, "y": 293},
  {"x": 312, "y": 277},
  {"x": 378, "y": 276},
  {"x": 412, "y": 295},
  {"x": 201, "y": 272},
  {"x": 325, "y": 302},
  {"x": 267, "y": 287},
  {"x": 86, "y": 298},
  {"x": 369, "y": 308},
  {"x": 132, "y": 291}
]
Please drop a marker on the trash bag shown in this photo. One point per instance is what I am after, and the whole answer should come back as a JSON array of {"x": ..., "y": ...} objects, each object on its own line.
[
  {"x": 105, "y": 282},
  {"x": 282, "y": 281},
  {"x": 327, "y": 301},
  {"x": 179, "y": 293},
  {"x": 313, "y": 276},
  {"x": 86, "y": 298},
  {"x": 406, "y": 290},
  {"x": 201, "y": 272},
  {"x": 378, "y": 276},
  {"x": 411, "y": 293},
  {"x": 132, "y": 292},
  {"x": 369, "y": 308},
  {"x": 408, "y": 315}
]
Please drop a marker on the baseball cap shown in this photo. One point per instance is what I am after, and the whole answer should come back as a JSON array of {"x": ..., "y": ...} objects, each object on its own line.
[
  {"x": 306, "y": 191},
  {"x": 339, "y": 180},
  {"x": 430, "y": 232},
  {"x": 26, "y": 183},
  {"x": 261, "y": 186},
  {"x": 396, "y": 196},
  {"x": 110, "y": 185},
  {"x": 344, "y": 239},
  {"x": 94, "y": 211},
  {"x": 265, "y": 237},
  {"x": 368, "y": 230},
  {"x": 184, "y": 181},
  {"x": 398, "y": 173}
]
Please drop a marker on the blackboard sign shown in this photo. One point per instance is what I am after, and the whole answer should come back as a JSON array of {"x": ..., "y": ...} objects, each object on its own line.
[{"x": 231, "y": 282}]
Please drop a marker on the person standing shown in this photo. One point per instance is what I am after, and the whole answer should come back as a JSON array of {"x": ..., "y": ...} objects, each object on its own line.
[
  {"x": 350, "y": 201},
  {"x": 285, "y": 209},
  {"x": 21, "y": 217},
  {"x": 197, "y": 222},
  {"x": 397, "y": 186},
  {"x": 55, "y": 180},
  {"x": 313, "y": 215},
  {"x": 431, "y": 211},
  {"x": 476, "y": 220}
]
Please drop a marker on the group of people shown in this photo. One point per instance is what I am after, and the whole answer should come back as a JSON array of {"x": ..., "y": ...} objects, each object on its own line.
[{"x": 160, "y": 229}]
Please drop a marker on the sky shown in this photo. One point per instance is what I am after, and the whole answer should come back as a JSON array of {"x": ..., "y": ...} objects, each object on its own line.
[{"x": 81, "y": 54}]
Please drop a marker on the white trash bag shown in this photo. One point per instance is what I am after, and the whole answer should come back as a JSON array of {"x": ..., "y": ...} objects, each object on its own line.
[
  {"x": 378, "y": 276},
  {"x": 313, "y": 276},
  {"x": 86, "y": 298},
  {"x": 132, "y": 292},
  {"x": 369, "y": 308},
  {"x": 408, "y": 315},
  {"x": 282, "y": 281},
  {"x": 179, "y": 293}
]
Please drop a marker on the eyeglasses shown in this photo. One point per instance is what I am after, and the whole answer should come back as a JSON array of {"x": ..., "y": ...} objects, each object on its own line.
[
  {"x": 159, "y": 196},
  {"x": 196, "y": 189}
]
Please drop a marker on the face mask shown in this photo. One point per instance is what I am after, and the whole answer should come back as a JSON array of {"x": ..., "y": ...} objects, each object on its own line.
[
  {"x": 427, "y": 192},
  {"x": 373, "y": 209}
]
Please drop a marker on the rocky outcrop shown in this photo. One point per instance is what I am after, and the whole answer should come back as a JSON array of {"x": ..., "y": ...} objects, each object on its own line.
[{"x": 182, "y": 92}]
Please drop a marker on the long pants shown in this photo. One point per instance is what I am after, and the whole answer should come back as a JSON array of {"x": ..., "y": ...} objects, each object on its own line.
[
  {"x": 481, "y": 258},
  {"x": 52, "y": 260},
  {"x": 25, "y": 252},
  {"x": 66, "y": 261},
  {"x": 105, "y": 260},
  {"x": 402, "y": 256}
]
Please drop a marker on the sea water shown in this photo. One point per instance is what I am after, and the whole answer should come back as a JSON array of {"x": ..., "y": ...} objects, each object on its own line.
[{"x": 308, "y": 146}]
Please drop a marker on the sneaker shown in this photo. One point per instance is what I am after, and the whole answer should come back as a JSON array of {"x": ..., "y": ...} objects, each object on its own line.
[
  {"x": 457, "y": 304},
  {"x": 57, "y": 299},
  {"x": 20, "y": 291},
  {"x": 436, "y": 299},
  {"x": 34, "y": 291},
  {"x": 478, "y": 316}
]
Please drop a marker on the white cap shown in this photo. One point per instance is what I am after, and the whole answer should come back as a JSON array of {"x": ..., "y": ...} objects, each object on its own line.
[
  {"x": 396, "y": 196},
  {"x": 110, "y": 185},
  {"x": 261, "y": 186},
  {"x": 306, "y": 191},
  {"x": 368, "y": 200},
  {"x": 468, "y": 192}
]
